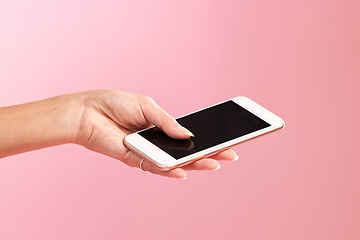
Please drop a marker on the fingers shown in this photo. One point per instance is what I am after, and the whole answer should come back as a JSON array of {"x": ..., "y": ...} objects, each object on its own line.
[
  {"x": 203, "y": 164},
  {"x": 180, "y": 173},
  {"x": 227, "y": 155},
  {"x": 211, "y": 163},
  {"x": 174, "y": 173},
  {"x": 157, "y": 116},
  {"x": 132, "y": 160}
]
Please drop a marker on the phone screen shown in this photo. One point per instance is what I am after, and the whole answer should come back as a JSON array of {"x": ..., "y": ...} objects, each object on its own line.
[{"x": 211, "y": 126}]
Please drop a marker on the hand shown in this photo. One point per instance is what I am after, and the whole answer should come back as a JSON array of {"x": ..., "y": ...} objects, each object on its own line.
[{"x": 108, "y": 116}]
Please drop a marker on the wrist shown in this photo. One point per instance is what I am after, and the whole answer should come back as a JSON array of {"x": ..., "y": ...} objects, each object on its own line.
[{"x": 70, "y": 109}]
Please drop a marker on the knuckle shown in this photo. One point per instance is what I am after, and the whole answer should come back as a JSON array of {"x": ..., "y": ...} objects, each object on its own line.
[{"x": 145, "y": 99}]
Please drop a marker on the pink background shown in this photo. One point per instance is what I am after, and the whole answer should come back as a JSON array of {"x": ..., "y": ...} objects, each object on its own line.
[{"x": 300, "y": 59}]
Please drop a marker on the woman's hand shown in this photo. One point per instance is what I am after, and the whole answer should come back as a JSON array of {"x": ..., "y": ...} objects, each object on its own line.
[
  {"x": 108, "y": 116},
  {"x": 98, "y": 120}
]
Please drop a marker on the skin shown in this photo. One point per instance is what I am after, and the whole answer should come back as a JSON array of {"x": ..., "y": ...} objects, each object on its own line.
[{"x": 98, "y": 120}]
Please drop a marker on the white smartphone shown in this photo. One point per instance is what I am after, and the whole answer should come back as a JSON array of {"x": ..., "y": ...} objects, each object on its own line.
[{"x": 215, "y": 129}]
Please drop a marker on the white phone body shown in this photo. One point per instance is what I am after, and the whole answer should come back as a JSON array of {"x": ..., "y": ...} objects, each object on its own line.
[{"x": 166, "y": 159}]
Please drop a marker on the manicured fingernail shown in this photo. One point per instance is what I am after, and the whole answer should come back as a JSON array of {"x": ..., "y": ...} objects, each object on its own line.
[
  {"x": 236, "y": 158},
  {"x": 218, "y": 167},
  {"x": 185, "y": 131},
  {"x": 183, "y": 177}
]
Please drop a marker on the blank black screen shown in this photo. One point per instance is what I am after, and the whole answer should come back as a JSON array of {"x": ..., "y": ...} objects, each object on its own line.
[{"x": 211, "y": 126}]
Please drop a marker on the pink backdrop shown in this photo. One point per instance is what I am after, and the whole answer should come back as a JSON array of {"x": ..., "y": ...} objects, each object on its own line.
[{"x": 300, "y": 59}]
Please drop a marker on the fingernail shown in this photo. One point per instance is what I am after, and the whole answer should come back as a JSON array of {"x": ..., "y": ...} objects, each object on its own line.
[
  {"x": 183, "y": 177},
  {"x": 218, "y": 167},
  {"x": 185, "y": 131},
  {"x": 236, "y": 158}
]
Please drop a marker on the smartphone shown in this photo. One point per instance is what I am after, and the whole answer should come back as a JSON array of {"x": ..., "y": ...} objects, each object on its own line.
[{"x": 215, "y": 129}]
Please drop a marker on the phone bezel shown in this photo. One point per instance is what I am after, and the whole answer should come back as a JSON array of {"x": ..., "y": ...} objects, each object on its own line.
[{"x": 162, "y": 160}]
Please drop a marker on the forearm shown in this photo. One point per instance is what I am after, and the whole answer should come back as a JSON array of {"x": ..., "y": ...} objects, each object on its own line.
[{"x": 40, "y": 124}]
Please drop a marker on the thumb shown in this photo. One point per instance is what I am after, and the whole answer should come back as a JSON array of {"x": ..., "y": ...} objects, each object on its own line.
[{"x": 157, "y": 116}]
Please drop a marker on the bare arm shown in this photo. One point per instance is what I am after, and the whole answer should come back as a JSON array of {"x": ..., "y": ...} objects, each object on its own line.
[{"x": 38, "y": 124}]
